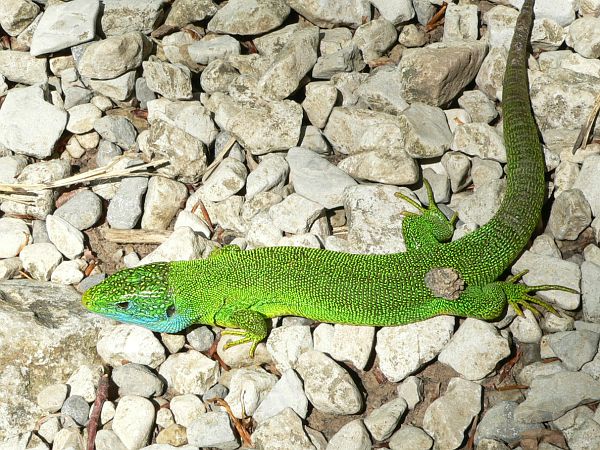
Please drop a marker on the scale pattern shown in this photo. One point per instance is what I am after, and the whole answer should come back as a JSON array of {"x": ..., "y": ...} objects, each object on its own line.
[{"x": 241, "y": 289}]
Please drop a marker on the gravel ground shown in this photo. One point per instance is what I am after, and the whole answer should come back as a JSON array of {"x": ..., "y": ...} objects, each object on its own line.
[{"x": 285, "y": 122}]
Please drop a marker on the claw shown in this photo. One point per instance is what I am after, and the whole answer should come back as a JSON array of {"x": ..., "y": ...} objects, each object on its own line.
[
  {"x": 522, "y": 299},
  {"x": 245, "y": 338}
]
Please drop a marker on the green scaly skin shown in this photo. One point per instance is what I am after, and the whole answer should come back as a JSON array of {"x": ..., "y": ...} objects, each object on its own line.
[{"x": 242, "y": 289}]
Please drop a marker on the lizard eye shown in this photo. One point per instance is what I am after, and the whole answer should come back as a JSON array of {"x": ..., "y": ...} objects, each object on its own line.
[
  {"x": 170, "y": 311},
  {"x": 122, "y": 305}
]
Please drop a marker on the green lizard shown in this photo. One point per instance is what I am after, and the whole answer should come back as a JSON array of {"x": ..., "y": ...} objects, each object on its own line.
[{"x": 242, "y": 289}]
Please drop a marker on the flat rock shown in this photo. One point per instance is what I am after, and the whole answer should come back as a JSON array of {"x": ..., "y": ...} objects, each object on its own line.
[
  {"x": 113, "y": 56},
  {"x": 247, "y": 17},
  {"x": 285, "y": 430},
  {"x": 21, "y": 67},
  {"x": 261, "y": 127},
  {"x": 28, "y": 124},
  {"x": 212, "y": 429},
  {"x": 133, "y": 421},
  {"x": 189, "y": 373},
  {"x": 332, "y": 13},
  {"x": 328, "y": 386},
  {"x": 48, "y": 331},
  {"x": 122, "y": 16},
  {"x": 499, "y": 423},
  {"x": 16, "y": 15},
  {"x": 169, "y": 80},
  {"x": 286, "y": 393},
  {"x": 426, "y": 71},
  {"x": 316, "y": 178},
  {"x": 404, "y": 349},
  {"x": 549, "y": 397},
  {"x": 448, "y": 418},
  {"x": 63, "y": 25},
  {"x": 475, "y": 349}
]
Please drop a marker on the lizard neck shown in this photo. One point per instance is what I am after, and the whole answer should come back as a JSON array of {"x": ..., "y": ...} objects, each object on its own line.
[{"x": 498, "y": 243}]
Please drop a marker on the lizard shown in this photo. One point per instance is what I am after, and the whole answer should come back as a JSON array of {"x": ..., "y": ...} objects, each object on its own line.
[{"x": 241, "y": 289}]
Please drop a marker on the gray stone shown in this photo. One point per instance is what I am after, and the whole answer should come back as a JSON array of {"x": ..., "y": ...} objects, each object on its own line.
[
  {"x": 119, "y": 89},
  {"x": 169, "y": 80},
  {"x": 14, "y": 236},
  {"x": 396, "y": 11},
  {"x": 82, "y": 118},
  {"x": 285, "y": 430},
  {"x": 475, "y": 349},
  {"x": 82, "y": 210},
  {"x": 52, "y": 397},
  {"x": 227, "y": 180},
  {"x": 352, "y": 436},
  {"x": 17, "y": 15},
  {"x": 189, "y": 373},
  {"x": 319, "y": 99},
  {"x": 182, "y": 244},
  {"x": 286, "y": 343},
  {"x": 125, "y": 209},
  {"x": 461, "y": 22},
  {"x": 549, "y": 397},
  {"x": 185, "y": 153},
  {"x": 77, "y": 408},
  {"x": 116, "y": 129},
  {"x": 134, "y": 421},
  {"x": 570, "y": 215},
  {"x": 28, "y": 124},
  {"x": 272, "y": 172},
  {"x": 479, "y": 139},
  {"x": 212, "y": 47},
  {"x": 480, "y": 206},
  {"x": 21, "y": 67},
  {"x": 563, "y": 343},
  {"x": 108, "y": 440},
  {"x": 295, "y": 214},
  {"x": 184, "y": 12},
  {"x": 396, "y": 345},
  {"x": 129, "y": 343},
  {"x": 346, "y": 59},
  {"x": 328, "y": 386},
  {"x": 374, "y": 38},
  {"x": 212, "y": 429},
  {"x": 113, "y": 56},
  {"x": 499, "y": 423},
  {"x": 590, "y": 291},
  {"x": 201, "y": 338},
  {"x": 374, "y": 218},
  {"x": 63, "y": 25},
  {"x": 67, "y": 239},
  {"x": 376, "y": 93},
  {"x": 409, "y": 437},
  {"x": 247, "y": 389},
  {"x": 40, "y": 260},
  {"x": 584, "y": 36},
  {"x": 286, "y": 393},
  {"x": 316, "y": 178},
  {"x": 590, "y": 190},
  {"x": 122, "y": 16},
  {"x": 164, "y": 198},
  {"x": 136, "y": 379},
  {"x": 479, "y": 107},
  {"x": 549, "y": 270},
  {"x": 426, "y": 71},
  {"x": 382, "y": 421},
  {"x": 47, "y": 331},
  {"x": 290, "y": 65},
  {"x": 260, "y": 127},
  {"x": 448, "y": 417},
  {"x": 247, "y": 17},
  {"x": 331, "y": 13}
]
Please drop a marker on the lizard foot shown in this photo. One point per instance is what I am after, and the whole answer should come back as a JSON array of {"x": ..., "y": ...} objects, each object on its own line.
[
  {"x": 429, "y": 225},
  {"x": 518, "y": 297},
  {"x": 246, "y": 337}
]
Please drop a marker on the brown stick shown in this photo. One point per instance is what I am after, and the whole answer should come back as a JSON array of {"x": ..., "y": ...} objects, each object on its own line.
[
  {"x": 101, "y": 395},
  {"x": 135, "y": 236}
]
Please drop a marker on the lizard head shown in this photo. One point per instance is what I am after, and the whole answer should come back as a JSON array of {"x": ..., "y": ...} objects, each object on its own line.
[{"x": 140, "y": 296}]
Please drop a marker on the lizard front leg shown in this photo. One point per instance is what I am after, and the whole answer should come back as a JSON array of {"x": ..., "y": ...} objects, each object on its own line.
[
  {"x": 252, "y": 327},
  {"x": 429, "y": 226}
]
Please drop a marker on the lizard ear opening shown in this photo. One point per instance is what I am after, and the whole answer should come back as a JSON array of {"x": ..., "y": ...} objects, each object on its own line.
[{"x": 171, "y": 311}]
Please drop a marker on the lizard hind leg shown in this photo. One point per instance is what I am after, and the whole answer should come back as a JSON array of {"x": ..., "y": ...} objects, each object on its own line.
[{"x": 427, "y": 227}]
